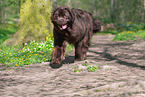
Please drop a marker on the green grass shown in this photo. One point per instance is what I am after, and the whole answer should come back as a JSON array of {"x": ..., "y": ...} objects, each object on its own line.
[
  {"x": 128, "y": 31},
  {"x": 130, "y": 35},
  {"x": 6, "y": 33},
  {"x": 8, "y": 30},
  {"x": 29, "y": 54},
  {"x": 33, "y": 52}
]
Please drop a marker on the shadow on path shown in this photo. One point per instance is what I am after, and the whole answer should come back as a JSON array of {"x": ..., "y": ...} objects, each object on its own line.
[
  {"x": 67, "y": 60},
  {"x": 109, "y": 57}
]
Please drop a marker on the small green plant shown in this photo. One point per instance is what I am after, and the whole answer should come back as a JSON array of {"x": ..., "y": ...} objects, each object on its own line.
[
  {"x": 85, "y": 64},
  {"x": 75, "y": 70},
  {"x": 97, "y": 90},
  {"x": 92, "y": 68}
]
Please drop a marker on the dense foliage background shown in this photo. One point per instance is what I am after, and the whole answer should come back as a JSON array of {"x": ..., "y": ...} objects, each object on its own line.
[{"x": 117, "y": 11}]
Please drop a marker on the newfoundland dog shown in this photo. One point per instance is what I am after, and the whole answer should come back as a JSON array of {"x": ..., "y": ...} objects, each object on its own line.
[{"x": 74, "y": 26}]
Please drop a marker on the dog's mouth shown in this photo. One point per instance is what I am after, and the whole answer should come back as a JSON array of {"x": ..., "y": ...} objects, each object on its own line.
[{"x": 62, "y": 27}]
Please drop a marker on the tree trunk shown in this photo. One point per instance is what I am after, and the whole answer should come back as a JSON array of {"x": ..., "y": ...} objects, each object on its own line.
[
  {"x": 93, "y": 8},
  {"x": 69, "y": 3},
  {"x": 54, "y": 3},
  {"x": 144, "y": 12},
  {"x": 34, "y": 22},
  {"x": 112, "y": 10}
]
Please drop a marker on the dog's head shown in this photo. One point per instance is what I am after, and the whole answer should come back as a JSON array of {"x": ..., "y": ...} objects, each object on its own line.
[{"x": 62, "y": 17}]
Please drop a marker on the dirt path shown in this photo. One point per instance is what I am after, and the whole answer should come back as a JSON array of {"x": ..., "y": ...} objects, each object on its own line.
[{"x": 121, "y": 74}]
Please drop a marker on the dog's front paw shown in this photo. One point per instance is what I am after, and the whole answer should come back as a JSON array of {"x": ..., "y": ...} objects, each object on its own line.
[{"x": 56, "y": 61}]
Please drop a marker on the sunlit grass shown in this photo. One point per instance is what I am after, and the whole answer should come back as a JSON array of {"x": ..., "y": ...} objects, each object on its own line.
[
  {"x": 33, "y": 52},
  {"x": 130, "y": 35},
  {"x": 127, "y": 31}
]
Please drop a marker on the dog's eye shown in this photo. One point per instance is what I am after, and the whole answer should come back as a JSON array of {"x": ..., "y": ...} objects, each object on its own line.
[
  {"x": 56, "y": 17},
  {"x": 65, "y": 17}
]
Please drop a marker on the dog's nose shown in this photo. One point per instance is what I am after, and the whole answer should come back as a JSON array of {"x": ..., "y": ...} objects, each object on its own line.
[{"x": 61, "y": 20}]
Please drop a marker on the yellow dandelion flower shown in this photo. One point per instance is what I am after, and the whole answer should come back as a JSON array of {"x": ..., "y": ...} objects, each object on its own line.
[
  {"x": 22, "y": 58},
  {"x": 35, "y": 54},
  {"x": 129, "y": 22},
  {"x": 139, "y": 30},
  {"x": 42, "y": 52},
  {"x": 4, "y": 54},
  {"x": 46, "y": 38},
  {"x": 77, "y": 72},
  {"x": 16, "y": 65},
  {"x": 131, "y": 32},
  {"x": 43, "y": 58}
]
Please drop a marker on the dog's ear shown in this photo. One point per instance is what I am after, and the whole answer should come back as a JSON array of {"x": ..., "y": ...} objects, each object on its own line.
[
  {"x": 52, "y": 14},
  {"x": 71, "y": 14}
]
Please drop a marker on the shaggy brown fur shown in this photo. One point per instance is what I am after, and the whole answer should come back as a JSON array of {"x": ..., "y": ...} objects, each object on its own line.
[{"x": 74, "y": 26}]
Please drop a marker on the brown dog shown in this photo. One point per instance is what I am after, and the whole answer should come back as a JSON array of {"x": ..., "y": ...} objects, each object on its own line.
[{"x": 74, "y": 26}]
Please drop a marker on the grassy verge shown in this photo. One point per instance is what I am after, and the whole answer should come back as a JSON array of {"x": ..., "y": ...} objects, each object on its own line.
[
  {"x": 128, "y": 31},
  {"x": 130, "y": 35},
  {"x": 29, "y": 54},
  {"x": 33, "y": 52}
]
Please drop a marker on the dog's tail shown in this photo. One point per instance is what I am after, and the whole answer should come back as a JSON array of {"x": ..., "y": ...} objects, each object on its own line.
[{"x": 96, "y": 25}]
